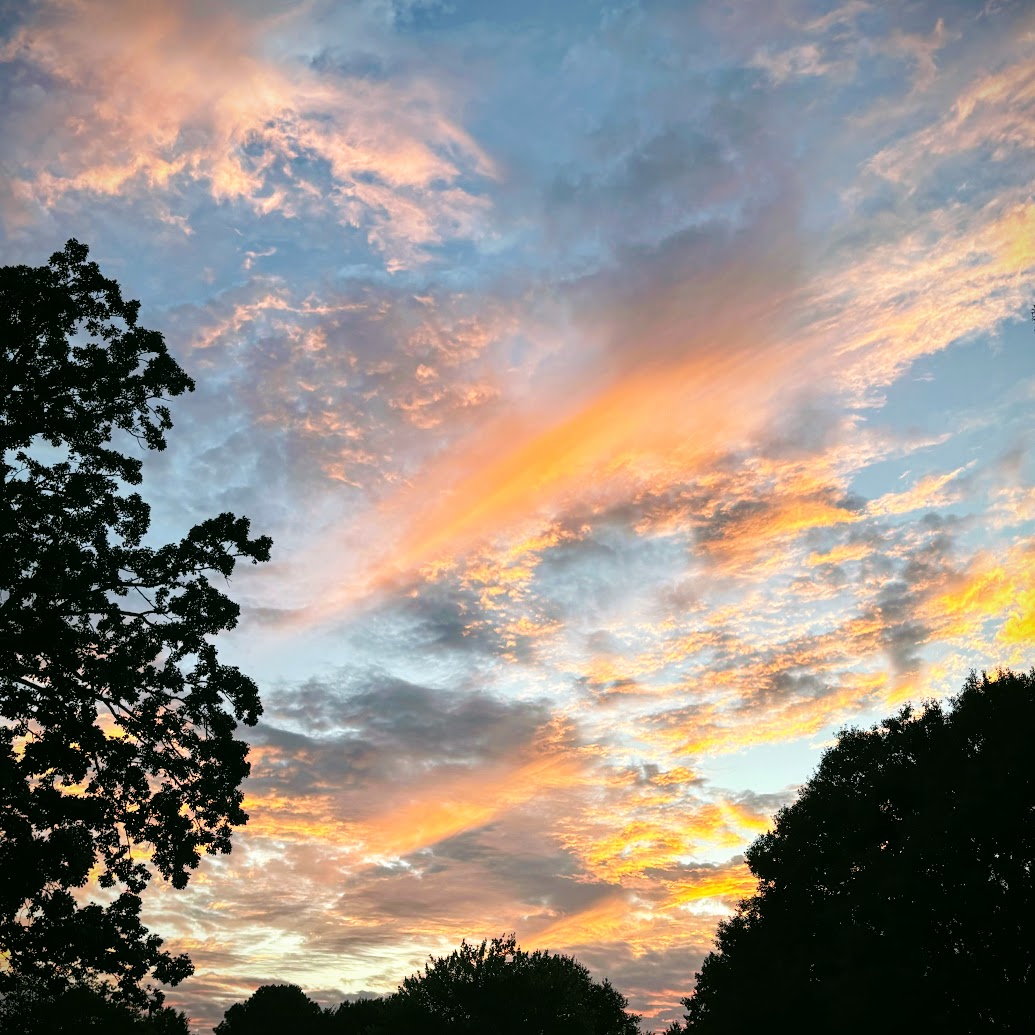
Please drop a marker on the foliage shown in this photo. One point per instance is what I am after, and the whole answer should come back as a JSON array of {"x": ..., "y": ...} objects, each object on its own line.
[
  {"x": 379, "y": 1016},
  {"x": 31, "y": 1006},
  {"x": 117, "y": 719},
  {"x": 496, "y": 986},
  {"x": 897, "y": 892},
  {"x": 492, "y": 987},
  {"x": 272, "y": 1010}
]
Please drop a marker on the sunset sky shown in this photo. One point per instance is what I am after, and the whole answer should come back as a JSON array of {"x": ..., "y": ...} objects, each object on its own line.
[{"x": 635, "y": 393}]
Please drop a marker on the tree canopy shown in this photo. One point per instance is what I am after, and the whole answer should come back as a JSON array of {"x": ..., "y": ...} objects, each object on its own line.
[
  {"x": 117, "y": 718},
  {"x": 493, "y": 986},
  {"x": 273, "y": 1010},
  {"x": 897, "y": 892},
  {"x": 497, "y": 986},
  {"x": 30, "y": 1006}
]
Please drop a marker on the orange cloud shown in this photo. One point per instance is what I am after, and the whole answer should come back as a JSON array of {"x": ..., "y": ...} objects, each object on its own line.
[
  {"x": 1014, "y": 506},
  {"x": 471, "y": 801},
  {"x": 635, "y": 832},
  {"x": 606, "y": 921},
  {"x": 994, "y": 593},
  {"x": 928, "y": 493},
  {"x": 960, "y": 273},
  {"x": 441, "y": 805},
  {"x": 841, "y": 554},
  {"x": 640, "y": 924},
  {"x": 165, "y": 93},
  {"x": 669, "y": 398},
  {"x": 728, "y": 884},
  {"x": 720, "y": 728},
  {"x": 1015, "y": 235},
  {"x": 754, "y": 543}
]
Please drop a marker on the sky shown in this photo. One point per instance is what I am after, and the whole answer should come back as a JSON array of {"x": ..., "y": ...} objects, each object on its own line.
[{"x": 635, "y": 393}]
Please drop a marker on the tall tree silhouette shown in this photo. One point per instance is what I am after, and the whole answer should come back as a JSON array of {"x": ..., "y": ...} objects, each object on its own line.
[
  {"x": 118, "y": 718},
  {"x": 897, "y": 893}
]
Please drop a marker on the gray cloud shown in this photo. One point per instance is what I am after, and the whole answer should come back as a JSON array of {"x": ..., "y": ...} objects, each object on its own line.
[{"x": 372, "y": 729}]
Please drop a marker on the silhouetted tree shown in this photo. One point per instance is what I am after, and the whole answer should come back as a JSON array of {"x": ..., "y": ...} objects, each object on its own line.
[
  {"x": 33, "y": 1006},
  {"x": 492, "y": 987},
  {"x": 273, "y": 1010},
  {"x": 498, "y": 987},
  {"x": 116, "y": 717},
  {"x": 897, "y": 893},
  {"x": 375, "y": 1016}
]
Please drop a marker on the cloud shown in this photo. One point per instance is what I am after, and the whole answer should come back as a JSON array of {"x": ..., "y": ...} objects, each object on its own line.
[
  {"x": 990, "y": 116},
  {"x": 922, "y": 51},
  {"x": 693, "y": 883},
  {"x": 803, "y": 60},
  {"x": 926, "y": 494},
  {"x": 676, "y": 377},
  {"x": 990, "y": 601},
  {"x": 577, "y": 376},
  {"x": 128, "y": 98},
  {"x": 606, "y": 921}
]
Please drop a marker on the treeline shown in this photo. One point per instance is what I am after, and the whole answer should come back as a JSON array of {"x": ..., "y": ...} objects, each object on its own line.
[
  {"x": 895, "y": 894},
  {"x": 494, "y": 986},
  {"x": 489, "y": 987}
]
